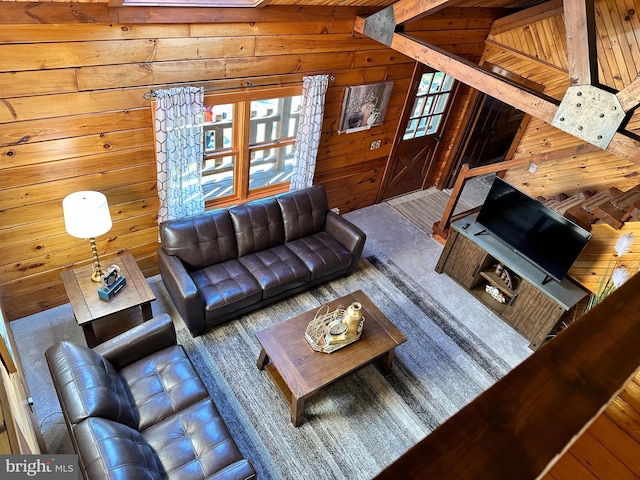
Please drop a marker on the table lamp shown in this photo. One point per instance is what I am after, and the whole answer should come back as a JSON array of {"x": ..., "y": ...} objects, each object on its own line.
[{"x": 86, "y": 215}]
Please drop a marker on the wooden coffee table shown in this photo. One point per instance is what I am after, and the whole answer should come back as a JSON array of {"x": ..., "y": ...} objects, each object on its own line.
[
  {"x": 299, "y": 371},
  {"x": 88, "y": 307}
]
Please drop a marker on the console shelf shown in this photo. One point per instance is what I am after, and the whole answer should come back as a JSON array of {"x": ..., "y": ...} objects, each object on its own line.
[
  {"x": 534, "y": 305},
  {"x": 494, "y": 280}
]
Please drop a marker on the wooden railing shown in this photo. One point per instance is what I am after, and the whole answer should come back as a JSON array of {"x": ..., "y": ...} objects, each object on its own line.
[
  {"x": 518, "y": 427},
  {"x": 441, "y": 228}
]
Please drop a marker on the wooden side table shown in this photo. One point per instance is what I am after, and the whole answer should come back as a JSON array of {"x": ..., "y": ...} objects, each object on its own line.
[{"x": 88, "y": 307}]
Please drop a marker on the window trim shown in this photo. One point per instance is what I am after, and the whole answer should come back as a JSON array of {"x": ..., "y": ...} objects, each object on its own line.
[
  {"x": 240, "y": 147},
  {"x": 431, "y": 114}
]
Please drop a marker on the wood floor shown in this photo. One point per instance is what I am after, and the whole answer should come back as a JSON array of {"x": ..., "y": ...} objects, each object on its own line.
[{"x": 608, "y": 449}]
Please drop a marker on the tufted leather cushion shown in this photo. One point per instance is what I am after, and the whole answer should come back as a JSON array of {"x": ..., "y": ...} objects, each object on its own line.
[
  {"x": 322, "y": 254},
  {"x": 219, "y": 291},
  {"x": 111, "y": 450},
  {"x": 162, "y": 383},
  {"x": 180, "y": 433},
  {"x": 200, "y": 240},
  {"x": 303, "y": 212},
  {"x": 258, "y": 225},
  {"x": 138, "y": 342},
  {"x": 195, "y": 443},
  {"x": 277, "y": 270},
  {"x": 89, "y": 385},
  {"x": 226, "y": 287}
]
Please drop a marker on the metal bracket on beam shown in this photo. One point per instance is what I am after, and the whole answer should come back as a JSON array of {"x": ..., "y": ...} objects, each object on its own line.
[
  {"x": 590, "y": 113},
  {"x": 381, "y": 26}
]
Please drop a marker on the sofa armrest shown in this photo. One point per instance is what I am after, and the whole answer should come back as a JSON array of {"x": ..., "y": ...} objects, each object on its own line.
[
  {"x": 349, "y": 235},
  {"x": 139, "y": 342},
  {"x": 182, "y": 290}
]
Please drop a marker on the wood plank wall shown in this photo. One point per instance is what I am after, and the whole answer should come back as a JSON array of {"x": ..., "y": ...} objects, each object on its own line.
[
  {"x": 73, "y": 116},
  {"x": 532, "y": 44}
]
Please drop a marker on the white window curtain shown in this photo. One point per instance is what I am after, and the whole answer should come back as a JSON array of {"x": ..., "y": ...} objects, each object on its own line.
[
  {"x": 179, "y": 139},
  {"x": 309, "y": 130}
]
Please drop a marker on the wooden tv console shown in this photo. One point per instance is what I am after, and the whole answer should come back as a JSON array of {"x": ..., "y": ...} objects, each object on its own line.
[{"x": 533, "y": 306}]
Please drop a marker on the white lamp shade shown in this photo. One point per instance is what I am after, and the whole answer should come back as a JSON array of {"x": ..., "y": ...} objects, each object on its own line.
[{"x": 86, "y": 214}]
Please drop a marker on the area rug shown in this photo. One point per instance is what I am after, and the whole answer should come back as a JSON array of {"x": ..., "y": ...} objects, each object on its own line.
[
  {"x": 426, "y": 209},
  {"x": 363, "y": 422}
]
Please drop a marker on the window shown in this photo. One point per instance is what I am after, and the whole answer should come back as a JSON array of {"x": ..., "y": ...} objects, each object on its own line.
[
  {"x": 429, "y": 106},
  {"x": 249, "y": 143}
]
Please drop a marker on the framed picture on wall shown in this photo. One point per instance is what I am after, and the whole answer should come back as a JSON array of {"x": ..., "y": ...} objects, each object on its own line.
[{"x": 364, "y": 106}]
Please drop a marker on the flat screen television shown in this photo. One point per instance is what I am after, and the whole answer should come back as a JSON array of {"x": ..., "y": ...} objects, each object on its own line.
[{"x": 538, "y": 233}]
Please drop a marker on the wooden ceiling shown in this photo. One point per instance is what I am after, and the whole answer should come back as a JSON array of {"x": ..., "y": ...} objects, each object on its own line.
[
  {"x": 512, "y": 4},
  {"x": 518, "y": 4}
]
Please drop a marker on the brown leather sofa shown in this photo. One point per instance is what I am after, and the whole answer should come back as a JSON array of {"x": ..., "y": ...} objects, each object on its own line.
[
  {"x": 136, "y": 408},
  {"x": 223, "y": 263}
]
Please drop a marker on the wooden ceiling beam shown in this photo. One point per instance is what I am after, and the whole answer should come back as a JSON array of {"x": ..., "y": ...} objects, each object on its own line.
[
  {"x": 580, "y": 26},
  {"x": 381, "y": 26},
  {"x": 406, "y": 10},
  {"x": 535, "y": 104},
  {"x": 626, "y": 146},
  {"x": 589, "y": 111},
  {"x": 629, "y": 96}
]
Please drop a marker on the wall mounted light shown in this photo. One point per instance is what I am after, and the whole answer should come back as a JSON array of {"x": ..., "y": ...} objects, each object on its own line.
[{"x": 86, "y": 215}]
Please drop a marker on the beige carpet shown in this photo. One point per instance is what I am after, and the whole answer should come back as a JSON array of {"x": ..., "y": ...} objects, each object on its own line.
[{"x": 425, "y": 208}]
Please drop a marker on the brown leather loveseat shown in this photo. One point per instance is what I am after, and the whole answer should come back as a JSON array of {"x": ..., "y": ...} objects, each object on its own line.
[
  {"x": 226, "y": 262},
  {"x": 136, "y": 409}
]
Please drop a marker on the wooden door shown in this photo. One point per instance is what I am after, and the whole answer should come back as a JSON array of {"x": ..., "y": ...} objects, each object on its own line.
[
  {"x": 492, "y": 130},
  {"x": 495, "y": 128},
  {"x": 409, "y": 166},
  {"x": 488, "y": 136},
  {"x": 426, "y": 108}
]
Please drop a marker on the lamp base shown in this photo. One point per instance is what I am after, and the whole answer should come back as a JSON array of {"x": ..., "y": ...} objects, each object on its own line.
[
  {"x": 107, "y": 293},
  {"x": 96, "y": 276}
]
